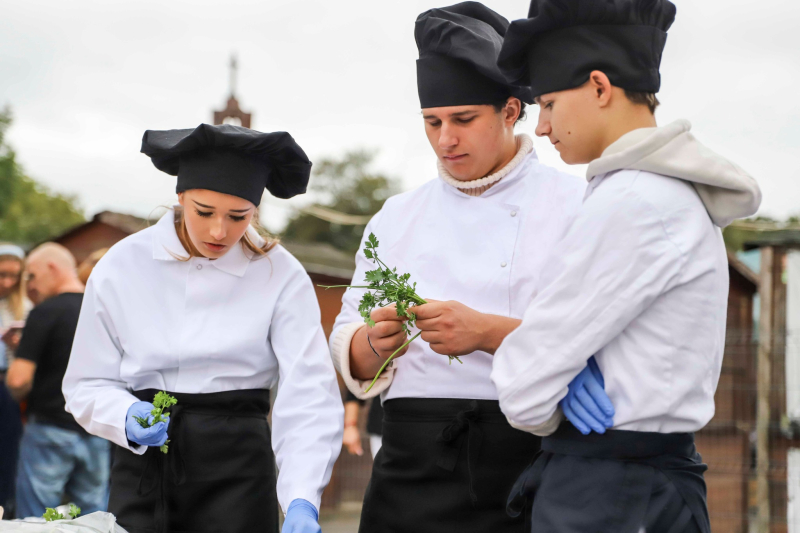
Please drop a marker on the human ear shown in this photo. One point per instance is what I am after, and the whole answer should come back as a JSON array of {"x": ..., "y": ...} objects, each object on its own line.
[
  {"x": 512, "y": 110},
  {"x": 601, "y": 87},
  {"x": 180, "y": 199}
]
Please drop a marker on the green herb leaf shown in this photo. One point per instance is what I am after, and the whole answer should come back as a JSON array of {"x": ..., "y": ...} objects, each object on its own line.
[
  {"x": 74, "y": 510},
  {"x": 374, "y": 276},
  {"x": 51, "y": 514}
]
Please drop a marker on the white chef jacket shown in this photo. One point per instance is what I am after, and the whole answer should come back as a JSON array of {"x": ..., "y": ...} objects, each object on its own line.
[
  {"x": 640, "y": 281},
  {"x": 486, "y": 252},
  {"x": 150, "y": 321}
]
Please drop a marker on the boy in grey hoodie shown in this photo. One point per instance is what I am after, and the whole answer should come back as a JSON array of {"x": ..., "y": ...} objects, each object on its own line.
[{"x": 638, "y": 287}]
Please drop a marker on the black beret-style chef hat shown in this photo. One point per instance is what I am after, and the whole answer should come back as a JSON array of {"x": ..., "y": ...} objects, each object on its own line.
[
  {"x": 563, "y": 41},
  {"x": 231, "y": 160},
  {"x": 458, "y": 50}
]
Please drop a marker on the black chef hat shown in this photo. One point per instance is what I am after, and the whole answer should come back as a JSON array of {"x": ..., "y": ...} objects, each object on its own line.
[
  {"x": 563, "y": 41},
  {"x": 458, "y": 49},
  {"x": 231, "y": 160}
]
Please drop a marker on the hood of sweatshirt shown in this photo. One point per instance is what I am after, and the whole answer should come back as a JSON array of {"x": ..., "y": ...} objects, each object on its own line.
[{"x": 727, "y": 191}]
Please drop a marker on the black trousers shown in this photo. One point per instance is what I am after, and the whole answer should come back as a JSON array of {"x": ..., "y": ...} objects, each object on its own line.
[
  {"x": 218, "y": 476},
  {"x": 10, "y": 435},
  {"x": 620, "y": 482},
  {"x": 445, "y": 465}
]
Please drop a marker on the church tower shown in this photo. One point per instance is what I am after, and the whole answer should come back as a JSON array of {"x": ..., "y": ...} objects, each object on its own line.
[{"x": 232, "y": 114}]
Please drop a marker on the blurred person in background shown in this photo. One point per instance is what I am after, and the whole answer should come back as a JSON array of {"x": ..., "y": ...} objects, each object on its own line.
[
  {"x": 352, "y": 433},
  {"x": 57, "y": 456},
  {"x": 88, "y": 264},
  {"x": 14, "y": 307}
]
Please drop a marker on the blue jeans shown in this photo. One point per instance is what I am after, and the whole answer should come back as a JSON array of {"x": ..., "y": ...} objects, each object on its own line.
[{"x": 54, "y": 461}]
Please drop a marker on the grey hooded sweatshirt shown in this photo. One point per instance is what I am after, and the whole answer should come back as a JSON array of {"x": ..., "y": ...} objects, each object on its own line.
[{"x": 640, "y": 281}]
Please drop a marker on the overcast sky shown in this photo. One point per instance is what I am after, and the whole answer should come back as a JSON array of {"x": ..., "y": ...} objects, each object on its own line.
[{"x": 84, "y": 79}]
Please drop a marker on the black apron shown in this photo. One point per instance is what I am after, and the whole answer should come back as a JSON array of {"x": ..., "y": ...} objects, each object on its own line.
[
  {"x": 218, "y": 476},
  {"x": 445, "y": 465},
  {"x": 619, "y": 482}
]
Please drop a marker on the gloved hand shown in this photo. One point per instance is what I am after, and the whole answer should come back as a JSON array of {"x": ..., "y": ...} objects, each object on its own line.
[
  {"x": 154, "y": 435},
  {"x": 586, "y": 404},
  {"x": 301, "y": 517}
]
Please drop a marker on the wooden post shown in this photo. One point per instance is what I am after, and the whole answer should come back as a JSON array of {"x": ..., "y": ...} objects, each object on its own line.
[{"x": 764, "y": 373}]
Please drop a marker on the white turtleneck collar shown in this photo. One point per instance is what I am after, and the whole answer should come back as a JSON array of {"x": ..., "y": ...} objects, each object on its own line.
[{"x": 479, "y": 186}]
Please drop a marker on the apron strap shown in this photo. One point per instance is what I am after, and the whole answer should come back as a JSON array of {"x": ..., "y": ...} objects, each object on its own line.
[
  {"x": 451, "y": 443},
  {"x": 524, "y": 490}
]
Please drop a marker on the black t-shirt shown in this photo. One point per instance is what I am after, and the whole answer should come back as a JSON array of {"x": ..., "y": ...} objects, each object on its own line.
[{"x": 47, "y": 341}]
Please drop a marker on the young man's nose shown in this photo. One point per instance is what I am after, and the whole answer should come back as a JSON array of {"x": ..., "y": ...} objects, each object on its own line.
[
  {"x": 447, "y": 138},
  {"x": 543, "y": 127}
]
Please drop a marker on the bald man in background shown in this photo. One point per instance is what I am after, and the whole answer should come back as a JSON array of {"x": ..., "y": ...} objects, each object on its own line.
[{"x": 58, "y": 458}]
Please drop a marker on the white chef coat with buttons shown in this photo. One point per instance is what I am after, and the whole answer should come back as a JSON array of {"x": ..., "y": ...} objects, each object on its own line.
[
  {"x": 641, "y": 282},
  {"x": 486, "y": 252},
  {"x": 150, "y": 321}
]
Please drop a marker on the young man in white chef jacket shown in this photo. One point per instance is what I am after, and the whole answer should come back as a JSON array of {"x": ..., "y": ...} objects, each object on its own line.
[
  {"x": 639, "y": 282},
  {"x": 475, "y": 240}
]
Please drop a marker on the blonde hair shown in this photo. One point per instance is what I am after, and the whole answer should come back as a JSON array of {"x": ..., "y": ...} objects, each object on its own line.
[
  {"x": 247, "y": 243},
  {"x": 16, "y": 300}
]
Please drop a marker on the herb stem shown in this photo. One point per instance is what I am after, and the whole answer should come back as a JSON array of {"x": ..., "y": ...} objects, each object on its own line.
[
  {"x": 388, "y": 359},
  {"x": 345, "y": 286}
]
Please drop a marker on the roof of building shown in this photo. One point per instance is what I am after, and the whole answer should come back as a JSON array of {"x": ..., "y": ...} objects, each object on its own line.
[
  {"x": 129, "y": 224},
  {"x": 789, "y": 237},
  {"x": 323, "y": 259}
]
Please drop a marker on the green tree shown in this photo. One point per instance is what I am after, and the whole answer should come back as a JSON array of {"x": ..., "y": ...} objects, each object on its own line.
[
  {"x": 29, "y": 212},
  {"x": 347, "y": 185}
]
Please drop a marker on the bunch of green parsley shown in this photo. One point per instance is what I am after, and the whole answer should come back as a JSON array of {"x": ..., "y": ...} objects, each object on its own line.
[
  {"x": 387, "y": 287},
  {"x": 51, "y": 514},
  {"x": 161, "y": 403}
]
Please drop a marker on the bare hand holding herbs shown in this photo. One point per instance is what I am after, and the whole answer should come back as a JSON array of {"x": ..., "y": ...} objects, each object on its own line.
[
  {"x": 387, "y": 287},
  {"x": 161, "y": 403}
]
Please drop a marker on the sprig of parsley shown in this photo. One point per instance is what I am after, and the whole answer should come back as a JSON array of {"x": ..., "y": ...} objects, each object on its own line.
[
  {"x": 387, "y": 287},
  {"x": 51, "y": 514},
  {"x": 161, "y": 403}
]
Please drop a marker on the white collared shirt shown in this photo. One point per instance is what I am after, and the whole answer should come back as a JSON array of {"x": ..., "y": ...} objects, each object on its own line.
[
  {"x": 641, "y": 282},
  {"x": 150, "y": 321},
  {"x": 486, "y": 252}
]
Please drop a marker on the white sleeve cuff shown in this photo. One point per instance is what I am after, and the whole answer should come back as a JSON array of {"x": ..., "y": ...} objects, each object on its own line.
[
  {"x": 340, "y": 353},
  {"x": 542, "y": 430}
]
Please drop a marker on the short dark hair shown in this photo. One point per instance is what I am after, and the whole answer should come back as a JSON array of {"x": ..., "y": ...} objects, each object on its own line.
[
  {"x": 499, "y": 106},
  {"x": 648, "y": 99}
]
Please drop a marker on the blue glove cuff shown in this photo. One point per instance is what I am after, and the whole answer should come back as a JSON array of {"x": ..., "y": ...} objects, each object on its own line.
[{"x": 302, "y": 506}]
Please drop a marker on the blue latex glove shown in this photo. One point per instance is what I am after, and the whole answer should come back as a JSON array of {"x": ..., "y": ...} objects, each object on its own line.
[
  {"x": 586, "y": 404},
  {"x": 152, "y": 436},
  {"x": 301, "y": 517}
]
